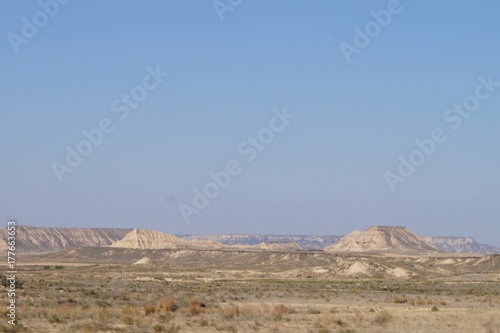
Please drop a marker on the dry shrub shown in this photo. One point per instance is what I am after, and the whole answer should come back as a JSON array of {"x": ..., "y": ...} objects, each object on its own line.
[
  {"x": 54, "y": 319},
  {"x": 202, "y": 321},
  {"x": 279, "y": 311},
  {"x": 89, "y": 327},
  {"x": 70, "y": 312},
  {"x": 383, "y": 317},
  {"x": 99, "y": 314},
  {"x": 230, "y": 312},
  {"x": 323, "y": 320},
  {"x": 127, "y": 315},
  {"x": 265, "y": 309},
  {"x": 149, "y": 309},
  {"x": 166, "y": 305},
  {"x": 172, "y": 328},
  {"x": 249, "y": 311},
  {"x": 4, "y": 312},
  {"x": 358, "y": 317},
  {"x": 8, "y": 328},
  {"x": 82, "y": 327},
  {"x": 195, "y": 307},
  {"x": 398, "y": 300},
  {"x": 131, "y": 315}
]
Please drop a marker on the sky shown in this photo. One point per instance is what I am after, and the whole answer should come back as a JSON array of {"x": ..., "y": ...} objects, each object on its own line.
[{"x": 262, "y": 117}]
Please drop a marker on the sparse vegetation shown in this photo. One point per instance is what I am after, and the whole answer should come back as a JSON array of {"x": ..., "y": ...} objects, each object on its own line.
[
  {"x": 383, "y": 317},
  {"x": 162, "y": 299}
]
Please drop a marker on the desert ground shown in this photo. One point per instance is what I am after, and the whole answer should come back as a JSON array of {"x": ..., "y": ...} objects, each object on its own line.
[{"x": 101, "y": 290}]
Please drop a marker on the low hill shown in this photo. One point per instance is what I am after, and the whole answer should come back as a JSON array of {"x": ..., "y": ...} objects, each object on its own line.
[
  {"x": 382, "y": 239},
  {"x": 144, "y": 261},
  {"x": 152, "y": 240},
  {"x": 295, "y": 264}
]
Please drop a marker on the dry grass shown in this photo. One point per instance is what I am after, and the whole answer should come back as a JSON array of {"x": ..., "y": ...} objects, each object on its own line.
[
  {"x": 230, "y": 312},
  {"x": 113, "y": 299}
]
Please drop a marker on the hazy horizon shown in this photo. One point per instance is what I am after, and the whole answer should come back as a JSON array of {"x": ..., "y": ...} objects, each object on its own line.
[
  {"x": 302, "y": 118},
  {"x": 251, "y": 234}
]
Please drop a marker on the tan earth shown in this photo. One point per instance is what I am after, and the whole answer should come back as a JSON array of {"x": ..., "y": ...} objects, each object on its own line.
[
  {"x": 382, "y": 239},
  {"x": 272, "y": 287}
]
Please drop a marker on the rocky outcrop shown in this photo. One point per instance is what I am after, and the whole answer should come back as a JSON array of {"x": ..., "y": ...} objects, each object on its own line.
[
  {"x": 38, "y": 239},
  {"x": 382, "y": 239},
  {"x": 461, "y": 245}
]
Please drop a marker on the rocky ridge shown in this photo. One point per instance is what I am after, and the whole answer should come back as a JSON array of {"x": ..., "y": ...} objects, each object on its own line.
[
  {"x": 306, "y": 242},
  {"x": 278, "y": 246},
  {"x": 40, "y": 239},
  {"x": 460, "y": 245}
]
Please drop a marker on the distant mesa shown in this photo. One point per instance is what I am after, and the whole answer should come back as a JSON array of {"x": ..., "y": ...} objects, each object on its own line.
[
  {"x": 382, "y": 239},
  {"x": 156, "y": 240},
  {"x": 278, "y": 246},
  {"x": 41, "y": 239},
  {"x": 306, "y": 242},
  {"x": 377, "y": 239},
  {"x": 460, "y": 245}
]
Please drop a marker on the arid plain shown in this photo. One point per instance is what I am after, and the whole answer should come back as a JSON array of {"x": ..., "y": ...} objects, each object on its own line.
[{"x": 154, "y": 282}]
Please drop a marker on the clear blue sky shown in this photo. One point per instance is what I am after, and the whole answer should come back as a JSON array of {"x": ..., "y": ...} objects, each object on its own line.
[{"x": 323, "y": 174}]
